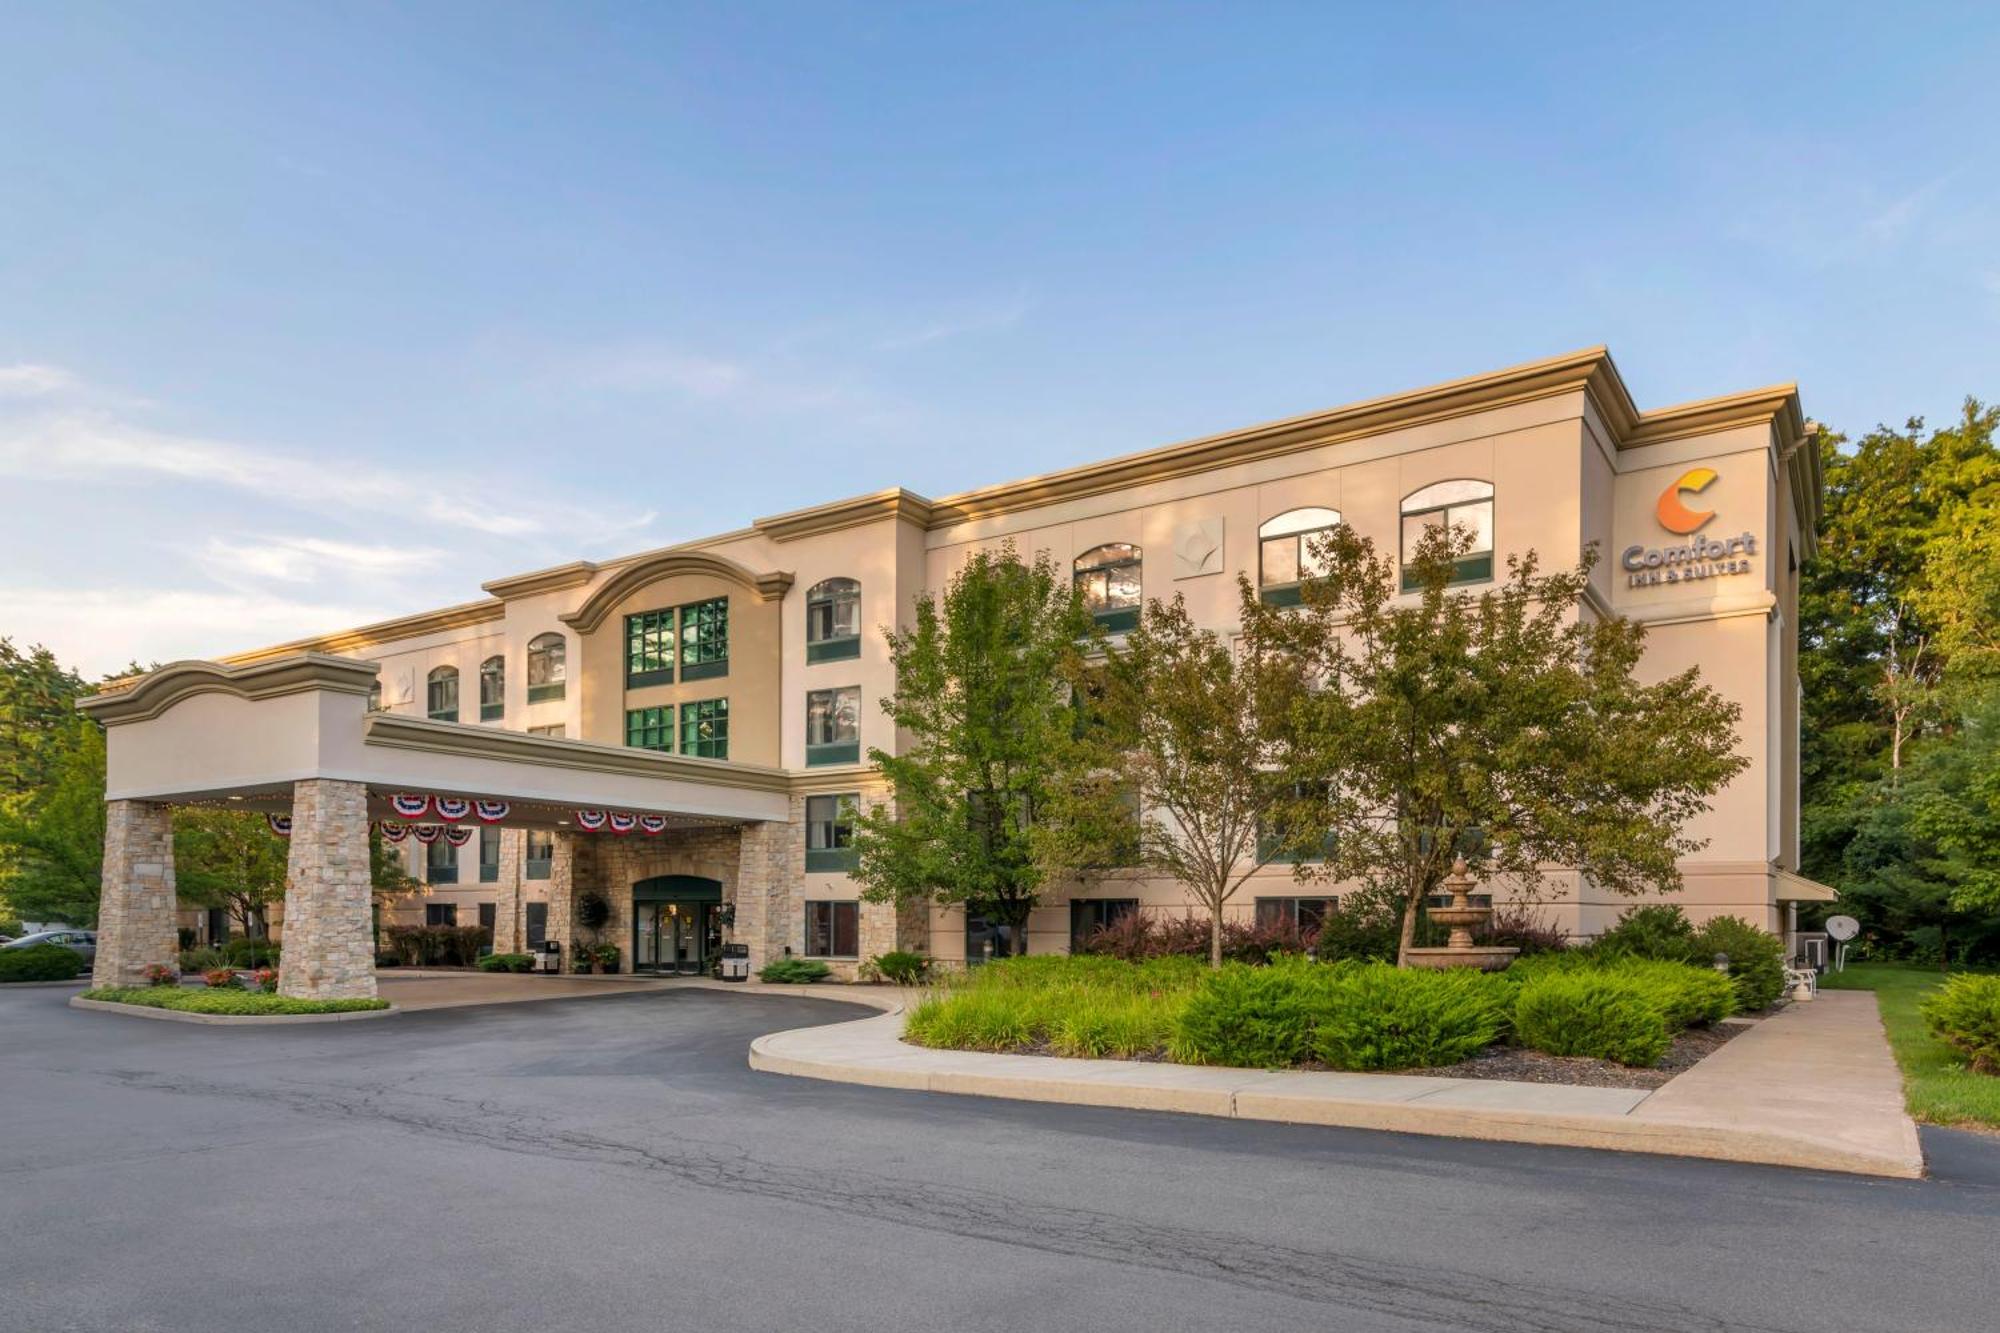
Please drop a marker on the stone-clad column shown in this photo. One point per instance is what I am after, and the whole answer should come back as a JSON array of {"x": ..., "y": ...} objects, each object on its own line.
[
  {"x": 509, "y": 930},
  {"x": 569, "y": 871},
  {"x": 135, "y": 912},
  {"x": 329, "y": 949},
  {"x": 769, "y": 891}
]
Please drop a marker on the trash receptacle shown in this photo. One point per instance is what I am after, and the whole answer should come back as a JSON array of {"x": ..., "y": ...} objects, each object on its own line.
[
  {"x": 548, "y": 957},
  {"x": 735, "y": 962}
]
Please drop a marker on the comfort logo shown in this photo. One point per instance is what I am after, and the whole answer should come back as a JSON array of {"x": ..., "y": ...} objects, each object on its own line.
[{"x": 1676, "y": 517}]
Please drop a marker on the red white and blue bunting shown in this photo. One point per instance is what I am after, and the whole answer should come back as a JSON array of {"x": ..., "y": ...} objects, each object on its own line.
[
  {"x": 590, "y": 821},
  {"x": 394, "y": 832},
  {"x": 410, "y": 807},
  {"x": 489, "y": 812},
  {"x": 280, "y": 824},
  {"x": 622, "y": 823},
  {"x": 427, "y": 833},
  {"x": 458, "y": 836},
  {"x": 653, "y": 825},
  {"x": 451, "y": 808}
]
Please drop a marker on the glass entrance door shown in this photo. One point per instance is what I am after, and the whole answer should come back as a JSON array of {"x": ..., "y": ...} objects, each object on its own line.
[{"x": 670, "y": 936}]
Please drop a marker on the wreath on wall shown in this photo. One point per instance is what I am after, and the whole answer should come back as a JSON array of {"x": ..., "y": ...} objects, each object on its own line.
[{"x": 592, "y": 910}]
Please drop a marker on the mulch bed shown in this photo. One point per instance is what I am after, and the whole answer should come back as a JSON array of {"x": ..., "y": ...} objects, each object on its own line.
[{"x": 1519, "y": 1065}]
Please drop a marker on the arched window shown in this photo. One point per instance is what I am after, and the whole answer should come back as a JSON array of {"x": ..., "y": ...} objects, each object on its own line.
[
  {"x": 548, "y": 670},
  {"x": 833, "y": 620},
  {"x": 375, "y": 697},
  {"x": 1285, "y": 555},
  {"x": 1460, "y": 504},
  {"x": 441, "y": 694},
  {"x": 1108, "y": 578},
  {"x": 492, "y": 689}
]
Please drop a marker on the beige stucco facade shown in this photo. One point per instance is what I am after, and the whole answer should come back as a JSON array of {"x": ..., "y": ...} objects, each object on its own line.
[{"x": 1569, "y": 461}]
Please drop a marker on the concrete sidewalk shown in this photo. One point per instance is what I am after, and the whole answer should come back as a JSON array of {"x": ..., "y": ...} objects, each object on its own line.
[{"x": 1814, "y": 1086}]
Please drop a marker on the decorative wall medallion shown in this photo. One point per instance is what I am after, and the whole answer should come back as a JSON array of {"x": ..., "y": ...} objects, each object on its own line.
[{"x": 1198, "y": 548}]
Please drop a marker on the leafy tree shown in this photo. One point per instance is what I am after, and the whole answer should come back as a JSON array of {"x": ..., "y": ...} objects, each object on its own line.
[
  {"x": 56, "y": 840},
  {"x": 984, "y": 681},
  {"x": 1505, "y": 726},
  {"x": 228, "y": 859},
  {"x": 1186, "y": 729}
]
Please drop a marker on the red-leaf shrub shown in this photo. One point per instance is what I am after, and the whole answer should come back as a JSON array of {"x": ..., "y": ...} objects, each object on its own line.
[{"x": 220, "y": 978}]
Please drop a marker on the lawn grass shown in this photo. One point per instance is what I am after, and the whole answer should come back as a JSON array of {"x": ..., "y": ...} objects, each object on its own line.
[
  {"x": 237, "y": 1003},
  {"x": 1067, "y": 1005},
  {"x": 1937, "y": 1087}
]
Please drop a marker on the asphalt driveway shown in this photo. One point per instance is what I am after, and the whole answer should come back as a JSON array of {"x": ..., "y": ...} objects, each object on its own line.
[{"x": 611, "y": 1163}]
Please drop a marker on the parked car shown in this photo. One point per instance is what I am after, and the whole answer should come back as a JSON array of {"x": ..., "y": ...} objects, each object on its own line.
[{"x": 83, "y": 941}]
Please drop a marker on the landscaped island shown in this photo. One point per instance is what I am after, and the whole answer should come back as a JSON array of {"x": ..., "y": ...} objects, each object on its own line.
[
  {"x": 224, "y": 1000},
  {"x": 1607, "y": 1002}
]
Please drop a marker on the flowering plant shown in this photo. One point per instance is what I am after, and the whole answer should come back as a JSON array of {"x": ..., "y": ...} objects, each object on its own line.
[
  {"x": 265, "y": 979},
  {"x": 160, "y": 974},
  {"x": 220, "y": 978}
]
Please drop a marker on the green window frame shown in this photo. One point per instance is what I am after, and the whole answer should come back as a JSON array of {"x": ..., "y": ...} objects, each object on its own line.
[
  {"x": 705, "y": 639},
  {"x": 649, "y": 648},
  {"x": 1284, "y": 552},
  {"x": 833, "y": 620},
  {"x": 540, "y": 859},
  {"x": 650, "y": 728},
  {"x": 489, "y": 854},
  {"x": 1462, "y": 503},
  {"x": 1305, "y": 913},
  {"x": 548, "y": 667},
  {"x": 493, "y": 689},
  {"x": 833, "y": 929},
  {"x": 441, "y": 694},
  {"x": 440, "y": 863},
  {"x": 705, "y": 728},
  {"x": 830, "y": 831},
  {"x": 1271, "y": 848},
  {"x": 833, "y": 726},
  {"x": 1108, "y": 578}
]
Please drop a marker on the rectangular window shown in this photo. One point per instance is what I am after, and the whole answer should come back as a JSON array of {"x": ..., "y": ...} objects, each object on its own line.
[
  {"x": 833, "y": 930},
  {"x": 1308, "y": 914},
  {"x": 440, "y": 863},
  {"x": 830, "y": 831},
  {"x": 556, "y": 729},
  {"x": 650, "y": 728},
  {"x": 538, "y": 924},
  {"x": 1087, "y": 916},
  {"x": 489, "y": 855},
  {"x": 986, "y": 939},
  {"x": 833, "y": 726},
  {"x": 440, "y": 914},
  {"x": 1271, "y": 841},
  {"x": 649, "y": 648},
  {"x": 705, "y": 640},
  {"x": 441, "y": 695},
  {"x": 705, "y": 728},
  {"x": 489, "y": 920},
  {"x": 541, "y": 854}
]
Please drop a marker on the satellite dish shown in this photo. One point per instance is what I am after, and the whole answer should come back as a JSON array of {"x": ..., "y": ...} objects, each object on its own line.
[{"x": 1842, "y": 928}]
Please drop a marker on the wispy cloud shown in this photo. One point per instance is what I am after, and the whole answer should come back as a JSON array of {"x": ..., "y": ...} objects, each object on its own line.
[
  {"x": 28, "y": 380},
  {"x": 307, "y": 559},
  {"x": 1892, "y": 222},
  {"x": 648, "y": 368},
  {"x": 103, "y": 629},
  {"x": 983, "y": 318}
]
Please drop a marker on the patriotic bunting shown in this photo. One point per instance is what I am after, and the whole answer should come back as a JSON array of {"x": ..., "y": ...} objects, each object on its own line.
[
  {"x": 590, "y": 820},
  {"x": 490, "y": 812},
  {"x": 410, "y": 807},
  {"x": 458, "y": 836},
  {"x": 394, "y": 832},
  {"x": 427, "y": 833},
  {"x": 653, "y": 824},
  {"x": 450, "y": 808},
  {"x": 622, "y": 823},
  {"x": 280, "y": 824}
]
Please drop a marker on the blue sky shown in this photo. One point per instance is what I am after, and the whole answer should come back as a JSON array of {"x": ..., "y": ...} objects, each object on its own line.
[{"x": 312, "y": 314}]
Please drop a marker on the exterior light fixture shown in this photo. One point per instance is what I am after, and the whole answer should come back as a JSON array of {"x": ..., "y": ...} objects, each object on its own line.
[{"x": 1722, "y": 963}]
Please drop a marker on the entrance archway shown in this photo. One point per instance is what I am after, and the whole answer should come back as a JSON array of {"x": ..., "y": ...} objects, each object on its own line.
[{"x": 676, "y": 923}]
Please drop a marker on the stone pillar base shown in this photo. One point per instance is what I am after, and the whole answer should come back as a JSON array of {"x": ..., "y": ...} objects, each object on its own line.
[
  {"x": 329, "y": 945},
  {"x": 135, "y": 913}
]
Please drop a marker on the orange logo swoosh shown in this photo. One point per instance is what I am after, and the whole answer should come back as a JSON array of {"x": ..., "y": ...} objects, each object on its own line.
[{"x": 1676, "y": 517}]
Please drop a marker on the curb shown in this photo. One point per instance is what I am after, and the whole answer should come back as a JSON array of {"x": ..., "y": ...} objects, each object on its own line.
[
  {"x": 228, "y": 1020},
  {"x": 1286, "y": 1097},
  {"x": 6, "y": 986}
]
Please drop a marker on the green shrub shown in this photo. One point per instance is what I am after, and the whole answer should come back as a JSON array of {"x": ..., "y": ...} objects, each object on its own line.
[
  {"x": 1965, "y": 1014},
  {"x": 1593, "y": 1012},
  {"x": 225, "y": 1001},
  {"x": 506, "y": 962},
  {"x": 1685, "y": 995},
  {"x": 201, "y": 960},
  {"x": 793, "y": 971},
  {"x": 1756, "y": 959},
  {"x": 1255, "y": 1017},
  {"x": 1068, "y": 1005},
  {"x": 901, "y": 967},
  {"x": 1382, "y": 1017},
  {"x": 243, "y": 951},
  {"x": 40, "y": 962},
  {"x": 1658, "y": 930}
]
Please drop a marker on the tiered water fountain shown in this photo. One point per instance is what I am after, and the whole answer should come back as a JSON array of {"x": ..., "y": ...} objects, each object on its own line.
[{"x": 1461, "y": 915}]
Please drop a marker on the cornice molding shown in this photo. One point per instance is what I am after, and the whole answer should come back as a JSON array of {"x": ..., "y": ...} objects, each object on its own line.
[
  {"x": 379, "y": 633},
  {"x": 142, "y": 698},
  {"x": 399, "y": 731},
  {"x": 539, "y": 581},
  {"x": 769, "y": 587},
  {"x": 893, "y": 503}
]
